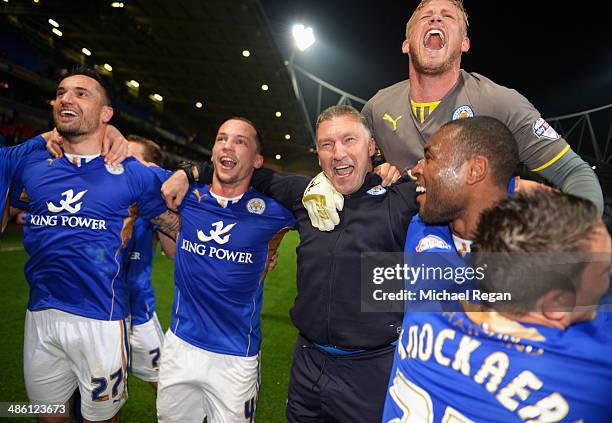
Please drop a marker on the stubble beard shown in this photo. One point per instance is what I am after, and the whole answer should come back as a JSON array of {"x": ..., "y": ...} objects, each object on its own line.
[
  {"x": 230, "y": 180},
  {"x": 227, "y": 180},
  {"x": 73, "y": 130},
  {"x": 421, "y": 67},
  {"x": 442, "y": 208},
  {"x": 437, "y": 213}
]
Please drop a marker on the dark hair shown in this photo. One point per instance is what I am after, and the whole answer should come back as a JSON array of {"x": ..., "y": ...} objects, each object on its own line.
[
  {"x": 343, "y": 110},
  {"x": 152, "y": 151},
  {"x": 488, "y": 137},
  {"x": 540, "y": 243},
  {"x": 91, "y": 73},
  {"x": 258, "y": 136}
]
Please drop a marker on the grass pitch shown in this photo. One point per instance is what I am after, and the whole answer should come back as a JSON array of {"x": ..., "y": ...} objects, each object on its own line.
[{"x": 278, "y": 332}]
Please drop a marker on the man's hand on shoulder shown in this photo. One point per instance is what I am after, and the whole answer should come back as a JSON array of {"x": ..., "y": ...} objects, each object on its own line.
[
  {"x": 388, "y": 173},
  {"x": 526, "y": 187},
  {"x": 54, "y": 142},
  {"x": 322, "y": 202},
  {"x": 175, "y": 189},
  {"x": 114, "y": 146}
]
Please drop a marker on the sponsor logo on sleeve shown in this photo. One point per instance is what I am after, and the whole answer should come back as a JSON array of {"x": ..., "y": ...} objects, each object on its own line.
[
  {"x": 542, "y": 129},
  {"x": 463, "y": 112},
  {"x": 430, "y": 242}
]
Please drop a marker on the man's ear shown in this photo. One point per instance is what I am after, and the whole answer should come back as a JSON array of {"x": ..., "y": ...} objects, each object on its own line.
[
  {"x": 406, "y": 47},
  {"x": 478, "y": 169},
  {"x": 557, "y": 304},
  {"x": 107, "y": 114},
  {"x": 465, "y": 44},
  {"x": 371, "y": 147},
  {"x": 258, "y": 161}
]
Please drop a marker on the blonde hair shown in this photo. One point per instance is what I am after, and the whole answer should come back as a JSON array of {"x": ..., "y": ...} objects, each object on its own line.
[{"x": 457, "y": 3}]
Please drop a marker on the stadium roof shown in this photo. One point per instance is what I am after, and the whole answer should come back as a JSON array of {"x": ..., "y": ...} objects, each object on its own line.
[{"x": 185, "y": 51}]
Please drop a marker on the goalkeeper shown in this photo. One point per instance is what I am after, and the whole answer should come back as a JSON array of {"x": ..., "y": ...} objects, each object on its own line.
[{"x": 343, "y": 356}]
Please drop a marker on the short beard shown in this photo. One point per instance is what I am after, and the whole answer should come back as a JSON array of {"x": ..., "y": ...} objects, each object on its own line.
[
  {"x": 231, "y": 180},
  {"x": 438, "y": 214},
  {"x": 85, "y": 127},
  {"x": 420, "y": 67},
  {"x": 69, "y": 133},
  {"x": 445, "y": 207}
]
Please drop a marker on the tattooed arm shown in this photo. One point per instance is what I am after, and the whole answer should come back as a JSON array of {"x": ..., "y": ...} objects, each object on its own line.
[{"x": 168, "y": 224}]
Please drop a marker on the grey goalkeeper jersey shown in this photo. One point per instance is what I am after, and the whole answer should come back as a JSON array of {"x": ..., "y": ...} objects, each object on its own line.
[{"x": 401, "y": 136}]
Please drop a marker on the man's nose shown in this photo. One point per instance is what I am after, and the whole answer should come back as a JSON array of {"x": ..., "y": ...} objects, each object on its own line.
[
  {"x": 417, "y": 169},
  {"x": 66, "y": 98},
  {"x": 228, "y": 145},
  {"x": 339, "y": 151},
  {"x": 435, "y": 18}
]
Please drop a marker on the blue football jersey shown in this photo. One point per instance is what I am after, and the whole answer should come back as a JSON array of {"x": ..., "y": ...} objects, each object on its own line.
[
  {"x": 140, "y": 253},
  {"x": 10, "y": 159},
  {"x": 422, "y": 237},
  {"x": 220, "y": 266},
  {"x": 430, "y": 238},
  {"x": 481, "y": 367},
  {"x": 79, "y": 222}
]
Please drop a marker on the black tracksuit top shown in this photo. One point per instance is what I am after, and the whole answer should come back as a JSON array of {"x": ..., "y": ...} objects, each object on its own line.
[{"x": 327, "y": 308}]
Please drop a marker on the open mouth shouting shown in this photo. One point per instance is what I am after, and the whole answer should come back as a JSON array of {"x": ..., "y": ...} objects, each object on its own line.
[
  {"x": 434, "y": 40},
  {"x": 66, "y": 114},
  {"x": 343, "y": 170},
  {"x": 227, "y": 162},
  {"x": 421, "y": 194}
]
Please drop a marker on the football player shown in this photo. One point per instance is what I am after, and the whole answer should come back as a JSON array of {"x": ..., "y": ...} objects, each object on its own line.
[
  {"x": 145, "y": 333},
  {"x": 544, "y": 355},
  {"x": 81, "y": 214},
  {"x": 210, "y": 360}
]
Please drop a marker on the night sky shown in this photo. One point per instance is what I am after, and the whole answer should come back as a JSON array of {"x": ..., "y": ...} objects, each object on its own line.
[{"x": 557, "y": 54}]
